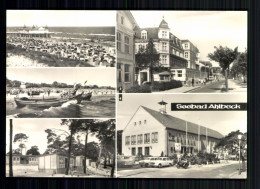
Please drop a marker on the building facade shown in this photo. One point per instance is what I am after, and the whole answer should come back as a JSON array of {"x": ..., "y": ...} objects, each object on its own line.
[
  {"x": 19, "y": 159},
  {"x": 169, "y": 48},
  {"x": 125, "y": 49},
  {"x": 153, "y": 133}
]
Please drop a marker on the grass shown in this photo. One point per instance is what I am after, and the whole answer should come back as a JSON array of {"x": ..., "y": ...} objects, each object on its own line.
[{"x": 45, "y": 58}]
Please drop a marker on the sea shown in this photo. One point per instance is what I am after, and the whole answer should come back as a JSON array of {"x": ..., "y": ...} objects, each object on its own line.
[
  {"x": 100, "y": 106},
  {"x": 106, "y": 33}
]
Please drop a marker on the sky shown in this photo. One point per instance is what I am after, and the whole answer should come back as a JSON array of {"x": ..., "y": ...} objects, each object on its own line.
[
  {"x": 60, "y": 18},
  {"x": 93, "y": 76},
  {"x": 221, "y": 121},
  {"x": 205, "y": 29},
  {"x": 35, "y": 130}
]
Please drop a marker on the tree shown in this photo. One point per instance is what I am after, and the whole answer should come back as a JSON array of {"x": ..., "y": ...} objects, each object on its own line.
[
  {"x": 55, "y": 84},
  {"x": 148, "y": 58},
  {"x": 11, "y": 150},
  {"x": 34, "y": 150},
  {"x": 87, "y": 126},
  {"x": 224, "y": 56},
  {"x": 106, "y": 136},
  {"x": 230, "y": 142},
  {"x": 240, "y": 65},
  {"x": 72, "y": 125},
  {"x": 21, "y": 138}
]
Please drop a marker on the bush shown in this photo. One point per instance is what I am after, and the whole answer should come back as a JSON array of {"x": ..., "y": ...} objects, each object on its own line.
[
  {"x": 139, "y": 89},
  {"x": 162, "y": 86}
]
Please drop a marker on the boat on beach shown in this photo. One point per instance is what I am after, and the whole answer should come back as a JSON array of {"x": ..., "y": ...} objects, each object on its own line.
[{"x": 48, "y": 102}]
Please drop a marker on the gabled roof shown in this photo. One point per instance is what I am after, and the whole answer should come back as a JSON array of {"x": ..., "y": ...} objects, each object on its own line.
[
  {"x": 151, "y": 32},
  {"x": 179, "y": 124}
]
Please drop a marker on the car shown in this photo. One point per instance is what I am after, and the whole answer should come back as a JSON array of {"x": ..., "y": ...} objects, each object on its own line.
[
  {"x": 146, "y": 161},
  {"x": 162, "y": 162}
]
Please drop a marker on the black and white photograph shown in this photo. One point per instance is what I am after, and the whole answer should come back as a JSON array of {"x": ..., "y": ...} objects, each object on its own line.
[
  {"x": 60, "y": 147},
  {"x": 153, "y": 141},
  {"x": 60, "y": 93},
  {"x": 182, "y": 51},
  {"x": 60, "y": 38}
]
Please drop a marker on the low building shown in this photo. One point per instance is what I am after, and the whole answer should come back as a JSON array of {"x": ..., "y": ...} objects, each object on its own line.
[
  {"x": 37, "y": 32},
  {"x": 19, "y": 159},
  {"x": 152, "y": 133},
  {"x": 55, "y": 163}
]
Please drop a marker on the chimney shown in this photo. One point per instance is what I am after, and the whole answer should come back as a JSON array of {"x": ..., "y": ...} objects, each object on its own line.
[{"x": 162, "y": 110}]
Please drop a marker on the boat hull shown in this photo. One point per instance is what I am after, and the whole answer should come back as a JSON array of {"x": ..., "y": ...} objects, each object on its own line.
[{"x": 40, "y": 102}]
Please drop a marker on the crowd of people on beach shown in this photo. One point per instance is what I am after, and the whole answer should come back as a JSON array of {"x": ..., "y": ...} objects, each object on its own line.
[{"x": 87, "y": 52}]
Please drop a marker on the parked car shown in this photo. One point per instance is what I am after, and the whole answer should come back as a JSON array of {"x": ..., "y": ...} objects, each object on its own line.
[
  {"x": 147, "y": 161},
  {"x": 162, "y": 162}
]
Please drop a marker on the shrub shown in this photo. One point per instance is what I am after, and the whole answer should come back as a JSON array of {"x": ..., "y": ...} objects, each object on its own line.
[
  {"x": 139, "y": 89},
  {"x": 162, "y": 86}
]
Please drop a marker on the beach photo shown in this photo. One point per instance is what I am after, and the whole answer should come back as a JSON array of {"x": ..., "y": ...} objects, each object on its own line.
[
  {"x": 60, "y": 92},
  {"x": 60, "y": 148},
  {"x": 59, "y": 38},
  {"x": 203, "y": 139},
  {"x": 182, "y": 51}
]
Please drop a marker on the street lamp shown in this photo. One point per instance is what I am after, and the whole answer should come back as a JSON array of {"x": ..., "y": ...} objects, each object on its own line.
[{"x": 239, "y": 141}]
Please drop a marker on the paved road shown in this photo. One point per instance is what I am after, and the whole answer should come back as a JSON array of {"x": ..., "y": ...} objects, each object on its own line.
[
  {"x": 215, "y": 87},
  {"x": 225, "y": 170}
]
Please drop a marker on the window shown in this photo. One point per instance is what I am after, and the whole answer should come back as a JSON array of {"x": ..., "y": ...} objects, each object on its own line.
[
  {"x": 14, "y": 158},
  {"x": 179, "y": 73},
  {"x": 164, "y": 34},
  {"x": 147, "y": 138},
  {"x": 119, "y": 72},
  {"x": 140, "y": 47},
  {"x": 139, "y": 139},
  {"x": 127, "y": 73},
  {"x": 173, "y": 73},
  {"x": 134, "y": 123},
  {"x": 133, "y": 139},
  {"x": 164, "y": 46},
  {"x": 118, "y": 38},
  {"x": 155, "y": 137},
  {"x": 171, "y": 149},
  {"x": 144, "y": 121},
  {"x": 127, "y": 140},
  {"x": 164, "y": 59},
  {"x": 140, "y": 122},
  {"x": 127, "y": 45},
  {"x": 186, "y": 46},
  {"x": 144, "y": 35},
  {"x": 122, "y": 20},
  {"x": 186, "y": 55}
]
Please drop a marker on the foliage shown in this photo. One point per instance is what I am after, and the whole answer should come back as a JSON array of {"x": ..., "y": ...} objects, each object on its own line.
[
  {"x": 139, "y": 89},
  {"x": 148, "y": 58},
  {"x": 240, "y": 65},
  {"x": 162, "y": 86},
  {"x": 231, "y": 142},
  {"x": 21, "y": 138},
  {"x": 34, "y": 150},
  {"x": 224, "y": 56}
]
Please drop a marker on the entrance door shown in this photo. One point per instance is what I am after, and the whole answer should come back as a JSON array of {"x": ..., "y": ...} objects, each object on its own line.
[
  {"x": 133, "y": 152},
  {"x": 147, "y": 151},
  {"x": 140, "y": 151}
]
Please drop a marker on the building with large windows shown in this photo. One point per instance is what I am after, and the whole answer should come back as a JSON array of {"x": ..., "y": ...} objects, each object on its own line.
[
  {"x": 125, "y": 49},
  {"x": 168, "y": 46},
  {"x": 151, "y": 132}
]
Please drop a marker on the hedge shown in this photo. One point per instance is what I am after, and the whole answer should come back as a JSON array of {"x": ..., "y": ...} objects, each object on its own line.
[{"x": 162, "y": 86}]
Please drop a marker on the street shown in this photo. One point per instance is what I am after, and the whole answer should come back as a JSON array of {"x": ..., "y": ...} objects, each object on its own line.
[
  {"x": 223, "y": 170},
  {"x": 214, "y": 87}
]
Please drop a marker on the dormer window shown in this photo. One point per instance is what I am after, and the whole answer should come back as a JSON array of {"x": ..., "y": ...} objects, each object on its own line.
[
  {"x": 144, "y": 121},
  {"x": 144, "y": 34},
  {"x": 134, "y": 123},
  {"x": 140, "y": 122},
  {"x": 186, "y": 46}
]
